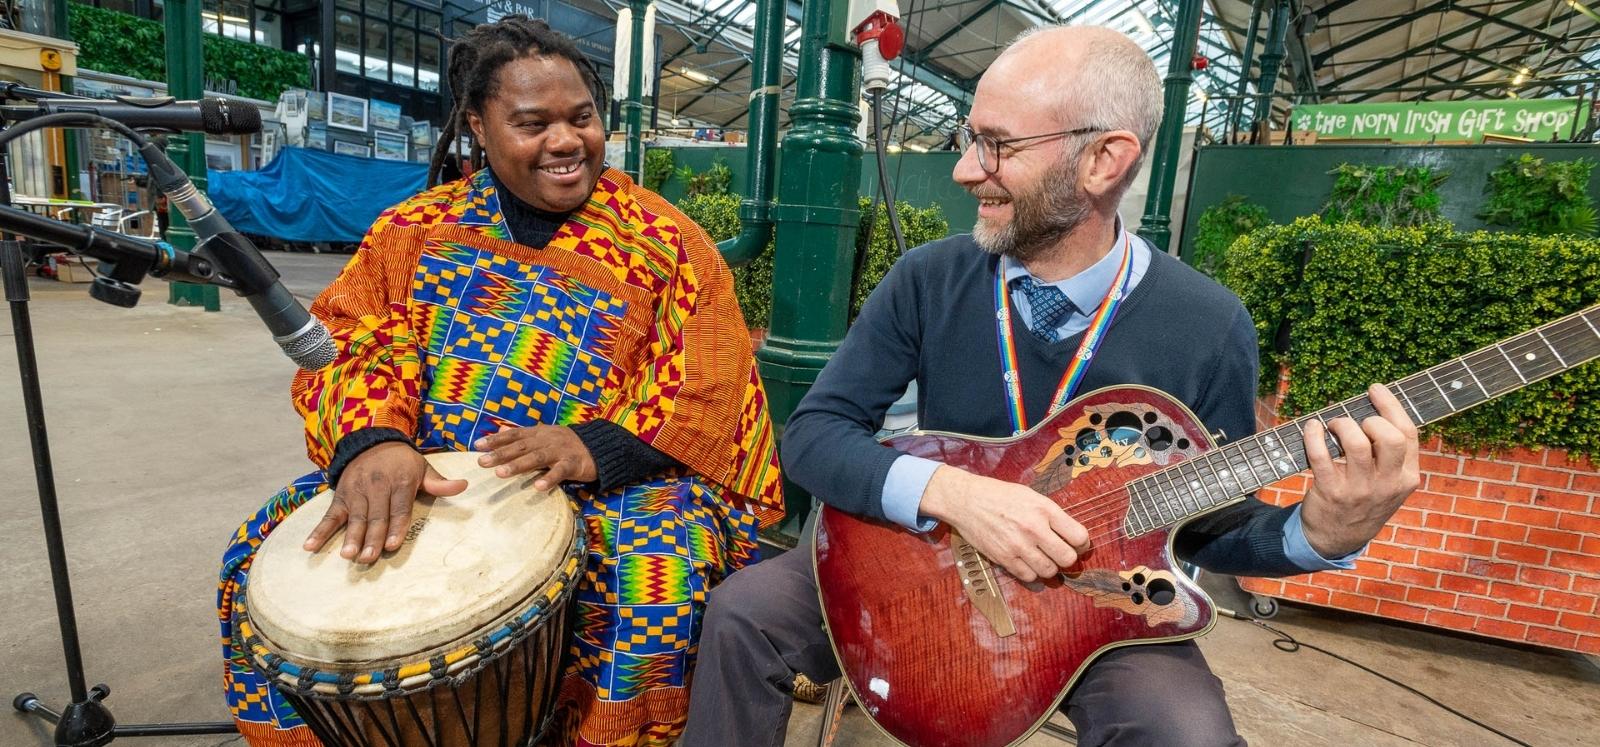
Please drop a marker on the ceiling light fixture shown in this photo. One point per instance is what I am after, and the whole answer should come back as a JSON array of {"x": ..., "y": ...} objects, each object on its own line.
[{"x": 697, "y": 76}]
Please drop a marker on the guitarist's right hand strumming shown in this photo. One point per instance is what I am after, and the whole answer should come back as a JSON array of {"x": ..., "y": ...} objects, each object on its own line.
[{"x": 1012, "y": 525}]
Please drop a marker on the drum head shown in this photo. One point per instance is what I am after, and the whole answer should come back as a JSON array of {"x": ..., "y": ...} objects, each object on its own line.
[{"x": 468, "y": 561}]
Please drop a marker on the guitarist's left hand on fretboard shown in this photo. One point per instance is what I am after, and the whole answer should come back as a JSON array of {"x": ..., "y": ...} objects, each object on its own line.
[{"x": 1350, "y": 501}]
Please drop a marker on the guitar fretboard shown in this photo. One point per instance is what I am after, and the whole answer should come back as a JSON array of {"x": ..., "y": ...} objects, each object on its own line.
[{"x": 1225, "y": 474}]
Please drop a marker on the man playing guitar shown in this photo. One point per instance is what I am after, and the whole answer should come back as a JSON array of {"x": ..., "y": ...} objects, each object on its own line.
[{"x": 1058, "y": 127}]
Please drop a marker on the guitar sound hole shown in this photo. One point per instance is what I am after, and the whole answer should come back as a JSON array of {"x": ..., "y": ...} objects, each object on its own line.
[
  {"x": 1160, "y": 438},
  {"x": 1161, "y": 591},
  {"x": 1087, "y": 439},
  {"x": 1123, "y": 427}
]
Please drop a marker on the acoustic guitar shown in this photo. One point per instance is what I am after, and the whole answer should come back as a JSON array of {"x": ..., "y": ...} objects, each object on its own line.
[{"x": 940, "y": 647}]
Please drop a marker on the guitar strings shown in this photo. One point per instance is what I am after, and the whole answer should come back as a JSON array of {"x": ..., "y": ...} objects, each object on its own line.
[{"x": 1575, "y": 328}]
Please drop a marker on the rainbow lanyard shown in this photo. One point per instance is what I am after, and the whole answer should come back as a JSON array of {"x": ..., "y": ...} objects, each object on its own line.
[{"x": 1080, "y": 361}]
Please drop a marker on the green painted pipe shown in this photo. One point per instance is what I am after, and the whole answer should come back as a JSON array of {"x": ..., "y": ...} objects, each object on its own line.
[{"x": 755, "y": 211}]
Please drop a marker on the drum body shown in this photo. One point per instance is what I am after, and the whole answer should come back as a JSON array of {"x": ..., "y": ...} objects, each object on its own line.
[{"x": 453, "y": 640}]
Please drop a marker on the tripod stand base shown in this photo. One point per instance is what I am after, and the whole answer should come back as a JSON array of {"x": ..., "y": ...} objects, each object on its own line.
[
  {"x": 86, "y": 724},
  {"x": 90, "y": 724}
]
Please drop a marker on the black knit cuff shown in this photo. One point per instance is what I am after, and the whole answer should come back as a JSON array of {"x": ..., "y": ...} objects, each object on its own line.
[
  {"x": 620, "y": 458},
  {"x": 356, "y": 442}
]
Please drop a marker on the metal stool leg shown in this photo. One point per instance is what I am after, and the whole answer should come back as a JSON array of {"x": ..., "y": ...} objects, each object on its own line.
[{"x": 833, "y": 712}]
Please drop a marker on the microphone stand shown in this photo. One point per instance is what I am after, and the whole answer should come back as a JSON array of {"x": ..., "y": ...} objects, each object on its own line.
[{"x": 85, "y": 721}]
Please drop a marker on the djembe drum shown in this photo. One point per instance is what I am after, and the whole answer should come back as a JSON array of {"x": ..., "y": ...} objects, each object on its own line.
[{"x": 454, "y": 639}]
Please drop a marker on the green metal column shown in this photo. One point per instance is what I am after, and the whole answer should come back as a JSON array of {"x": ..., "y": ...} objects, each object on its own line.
[
  {"x": 62, "y": 29},
  {"x": 1236, "y": 107},
  {"x": 1272, "y": 60},
  {"x": 1156, "y": 225},
  {"x": 633, "y": 107},
  {"x": 185, "y": 80},
  {"x": 816, "y": 215}
]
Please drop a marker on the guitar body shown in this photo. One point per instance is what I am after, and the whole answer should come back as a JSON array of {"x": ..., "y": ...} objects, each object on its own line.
[{"x": 923, "y": 652}]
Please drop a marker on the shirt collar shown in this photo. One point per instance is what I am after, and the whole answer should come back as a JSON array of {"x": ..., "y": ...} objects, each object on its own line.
[{"x": 1087, "y": 288}]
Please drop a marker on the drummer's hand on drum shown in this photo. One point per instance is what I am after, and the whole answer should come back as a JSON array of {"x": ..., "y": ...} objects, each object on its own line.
[
  {"x": 373, "y": 500},
  {"x": 553, "y": 448},
  {"x": 1012, "y": 525}
]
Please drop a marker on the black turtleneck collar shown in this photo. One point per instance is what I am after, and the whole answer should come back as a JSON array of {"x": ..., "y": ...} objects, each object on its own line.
[{"x": 529, "y": 225}]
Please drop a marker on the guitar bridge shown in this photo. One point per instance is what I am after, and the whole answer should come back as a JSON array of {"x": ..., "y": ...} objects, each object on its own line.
[{"x": 977, "y": 580}]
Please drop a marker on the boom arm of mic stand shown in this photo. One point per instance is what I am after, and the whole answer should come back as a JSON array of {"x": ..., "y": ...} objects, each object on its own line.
[
  {"x": 157, "y": 259},
  {"x": 10, "y": 91}
]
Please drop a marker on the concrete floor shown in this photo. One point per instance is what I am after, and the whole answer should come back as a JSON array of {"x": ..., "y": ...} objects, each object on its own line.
[{"x": 169, "y": 425}]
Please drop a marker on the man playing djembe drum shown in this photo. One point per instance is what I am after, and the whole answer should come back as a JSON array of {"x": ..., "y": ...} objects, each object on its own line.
[{"x": 548, "y": 311}]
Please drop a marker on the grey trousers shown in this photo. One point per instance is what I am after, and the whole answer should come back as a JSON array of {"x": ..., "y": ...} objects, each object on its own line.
[{"x": 764, "y": 624}]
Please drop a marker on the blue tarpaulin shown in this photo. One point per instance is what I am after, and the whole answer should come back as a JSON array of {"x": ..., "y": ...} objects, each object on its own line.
[{"x": 312, "y": 195}]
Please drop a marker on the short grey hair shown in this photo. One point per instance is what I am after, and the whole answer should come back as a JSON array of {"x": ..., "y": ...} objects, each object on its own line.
[{"x": 1116, "y": 87}]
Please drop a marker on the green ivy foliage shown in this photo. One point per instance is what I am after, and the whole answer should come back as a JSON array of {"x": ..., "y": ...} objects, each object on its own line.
[
  {"x": 1379, "y": 304},
  {"x": 1219, "y": 226},
  {"x": 718, "y": 214},
  {"x": 1384, "y": 195},
  {"x": 1528, "y": 195},
  {"x": 124, "y": 44}
]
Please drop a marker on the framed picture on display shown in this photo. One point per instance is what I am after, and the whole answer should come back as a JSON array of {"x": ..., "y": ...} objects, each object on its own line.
[
  {"x": 347, "y": 148},
  {"x": 422, "y": 134},
  {"x": 269, "y": 145},
  {"x": 389, "y": 146},
  {"x": 347, "y": 112},
  {"x": 385, "y": 114},
  {"x": 222, "y": 156}
]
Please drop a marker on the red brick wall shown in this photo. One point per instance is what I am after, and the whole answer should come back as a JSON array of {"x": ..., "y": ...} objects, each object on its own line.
[{"x": 1506, "y": 546}]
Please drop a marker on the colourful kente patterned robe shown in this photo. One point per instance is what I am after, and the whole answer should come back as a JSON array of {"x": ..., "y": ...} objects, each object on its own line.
[{"x": 448, "y": 330}]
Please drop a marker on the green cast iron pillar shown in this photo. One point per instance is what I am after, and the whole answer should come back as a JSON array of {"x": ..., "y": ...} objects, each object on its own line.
[
  {"x": 816, "y": 215},
  {"x": 1272, "y": 60},
  {"x": 185, "y": 81},
  {"x": 1156, "y": 225},
  {"x": 633, "y": 106},
  {"x": 61, "y": 28},
  {"x": 1236, "y": 106}
]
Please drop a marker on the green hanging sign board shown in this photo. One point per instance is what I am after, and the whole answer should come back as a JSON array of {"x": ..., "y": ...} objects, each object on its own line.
[{"x": 1443, "y": 121}]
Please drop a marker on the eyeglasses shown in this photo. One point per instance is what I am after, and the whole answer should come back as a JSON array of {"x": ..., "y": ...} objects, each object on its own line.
[{"x": 989, "y": 145}]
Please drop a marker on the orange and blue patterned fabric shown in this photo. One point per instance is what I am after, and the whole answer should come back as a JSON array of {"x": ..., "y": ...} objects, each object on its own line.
[{"x": 449, "y": 330}]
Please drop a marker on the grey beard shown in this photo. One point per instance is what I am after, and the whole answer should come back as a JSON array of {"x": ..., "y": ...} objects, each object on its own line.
[{"x": 1040, "y": 220}]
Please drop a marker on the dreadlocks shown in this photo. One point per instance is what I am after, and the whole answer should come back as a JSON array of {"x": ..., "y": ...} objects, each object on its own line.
[{"x": 475, "y": 62}]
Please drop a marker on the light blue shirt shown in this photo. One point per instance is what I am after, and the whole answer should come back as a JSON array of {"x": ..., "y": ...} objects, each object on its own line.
[{"x": 908, "y": 476}]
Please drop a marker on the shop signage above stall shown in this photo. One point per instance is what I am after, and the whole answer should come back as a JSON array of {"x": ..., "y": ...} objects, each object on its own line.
[{"x": 1443, "y": 121}]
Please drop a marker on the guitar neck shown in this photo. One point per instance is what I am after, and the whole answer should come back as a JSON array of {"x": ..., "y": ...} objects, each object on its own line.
[{"x": 1225, "y": 474}]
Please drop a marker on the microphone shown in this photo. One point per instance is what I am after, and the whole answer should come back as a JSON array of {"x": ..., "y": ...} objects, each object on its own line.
[
  {"x": 214, "y": 116},
  {"x": 301, "y": 336}
]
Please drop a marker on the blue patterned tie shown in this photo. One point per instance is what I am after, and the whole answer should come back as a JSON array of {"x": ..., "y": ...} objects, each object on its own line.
[{"x": 1049, "y": 307}]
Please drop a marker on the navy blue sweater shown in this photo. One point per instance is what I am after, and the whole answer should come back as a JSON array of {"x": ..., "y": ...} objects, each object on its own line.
[{"x": 932, "y": 320}]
